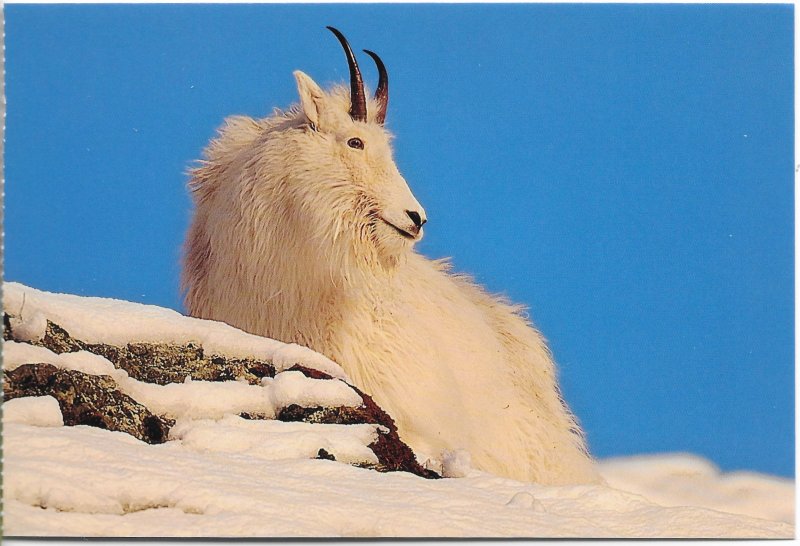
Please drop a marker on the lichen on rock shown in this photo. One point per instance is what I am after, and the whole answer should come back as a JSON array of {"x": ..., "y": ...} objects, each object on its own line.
[
  {"x": 96, "y": 400},
  {"x": 85, "y": 399},
  {"x": 159, "y": 363}
]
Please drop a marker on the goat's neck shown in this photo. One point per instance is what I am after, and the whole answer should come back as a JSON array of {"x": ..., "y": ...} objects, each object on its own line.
[{"x": 331, "y": 303}]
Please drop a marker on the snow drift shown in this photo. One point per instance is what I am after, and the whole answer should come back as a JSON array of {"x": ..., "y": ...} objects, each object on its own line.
[{"x": 222, "y": 474}]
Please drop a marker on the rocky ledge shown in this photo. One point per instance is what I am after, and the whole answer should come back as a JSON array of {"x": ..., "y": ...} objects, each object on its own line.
[{"x": 98, "y": 400}]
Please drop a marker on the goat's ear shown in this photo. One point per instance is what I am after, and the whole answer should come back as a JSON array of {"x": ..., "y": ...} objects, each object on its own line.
[{"x": 311, "y": 97}]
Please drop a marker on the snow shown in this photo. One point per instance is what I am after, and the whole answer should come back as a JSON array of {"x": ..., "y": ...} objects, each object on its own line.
[
  {"x": 681, "y": 479},
  {"x": 525, "y": 500},
  {"x": 83, "y": 481},
  {"x": 109, "y": 321},
  {"x": 455, "y": 463},
  {"x": 30, "y": 327},
  {"x": 295, "y": 388},
  {"x": 220, "y": 475},
  {"x": 275, "y": 440},
  {"x": 40, "y": 411}
]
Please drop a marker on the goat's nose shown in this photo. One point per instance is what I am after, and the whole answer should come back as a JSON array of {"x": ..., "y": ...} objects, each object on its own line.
[{"x": 416, "y": 218}]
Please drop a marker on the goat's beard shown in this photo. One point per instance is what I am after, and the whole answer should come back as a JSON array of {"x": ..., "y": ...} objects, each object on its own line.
[
  {"x": 375, "y": 244},
  {"x": 391, "y": 247}
]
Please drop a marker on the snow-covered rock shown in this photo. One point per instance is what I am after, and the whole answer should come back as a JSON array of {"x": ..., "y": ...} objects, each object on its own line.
[
  {"x": 151, "y": 379},
  {"x": 114, "y": 322},
  {"x": 254, "y": 440}
]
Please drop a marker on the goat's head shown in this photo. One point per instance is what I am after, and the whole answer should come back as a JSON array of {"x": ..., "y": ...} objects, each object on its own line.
[{"x": 344, "y": 154}]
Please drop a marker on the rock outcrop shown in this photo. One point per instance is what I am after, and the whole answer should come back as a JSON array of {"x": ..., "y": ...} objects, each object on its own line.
[{"x": 97, "y": 400}]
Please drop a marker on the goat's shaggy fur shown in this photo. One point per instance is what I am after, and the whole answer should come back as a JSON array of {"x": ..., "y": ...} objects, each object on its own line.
[{"x": 297, "y": 236}]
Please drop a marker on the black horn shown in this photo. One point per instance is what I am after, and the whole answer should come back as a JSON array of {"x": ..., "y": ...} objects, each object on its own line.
[
  {"x": 358, "y": 102},
  {"x": 382, "y": 91}
]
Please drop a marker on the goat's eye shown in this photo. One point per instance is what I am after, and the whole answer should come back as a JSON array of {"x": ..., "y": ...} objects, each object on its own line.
[{"x": 356, "y": 143}]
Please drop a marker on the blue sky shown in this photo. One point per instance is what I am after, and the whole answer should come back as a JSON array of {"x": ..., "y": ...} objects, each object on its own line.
[{"x": 624, "y": 170}]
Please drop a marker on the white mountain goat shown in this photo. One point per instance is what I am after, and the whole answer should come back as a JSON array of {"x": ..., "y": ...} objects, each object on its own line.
[{"x": 304, "y": 231}]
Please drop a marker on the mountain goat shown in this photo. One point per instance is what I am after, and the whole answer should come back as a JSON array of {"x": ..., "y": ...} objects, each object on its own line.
[{"x": 304, "y": 231}]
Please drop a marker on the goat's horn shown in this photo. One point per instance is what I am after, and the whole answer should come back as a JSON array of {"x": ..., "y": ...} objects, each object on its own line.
[
  {"x": 382, "y": 91},
  {"x": 358, "y": 102}
]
